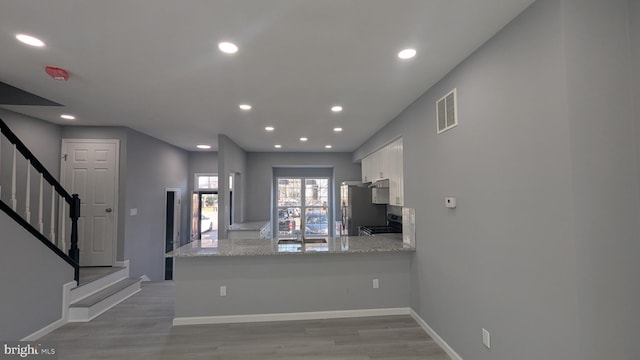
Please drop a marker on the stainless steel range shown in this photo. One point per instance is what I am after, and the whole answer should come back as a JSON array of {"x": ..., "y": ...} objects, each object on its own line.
[{"x": 394, "y": 226}]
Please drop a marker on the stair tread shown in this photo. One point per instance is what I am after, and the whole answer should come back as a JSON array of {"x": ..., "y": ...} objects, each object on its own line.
[{"x": 105, "y": 293}]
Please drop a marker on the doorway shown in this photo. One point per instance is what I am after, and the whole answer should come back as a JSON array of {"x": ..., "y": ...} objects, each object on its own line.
[
  {"x": 89, "y": 168},
  {"x": 204, "y": 216},
  {"x": 171, "y": 228}
]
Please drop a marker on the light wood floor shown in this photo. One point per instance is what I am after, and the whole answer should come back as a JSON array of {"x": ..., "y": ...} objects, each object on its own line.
[{"x": 140, "y": 328}]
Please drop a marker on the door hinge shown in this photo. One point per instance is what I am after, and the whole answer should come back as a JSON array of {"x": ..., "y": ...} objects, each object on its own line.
[{"x": 64, "y": 156}]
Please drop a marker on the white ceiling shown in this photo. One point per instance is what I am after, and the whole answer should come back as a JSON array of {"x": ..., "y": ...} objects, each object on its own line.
[{"x": 154, "y": 65}]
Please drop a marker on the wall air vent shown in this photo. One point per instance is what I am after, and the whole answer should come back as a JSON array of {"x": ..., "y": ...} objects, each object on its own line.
[{"x": 447, "y": 111}]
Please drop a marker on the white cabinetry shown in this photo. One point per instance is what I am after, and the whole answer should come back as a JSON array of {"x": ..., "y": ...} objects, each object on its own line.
[
  {"x": 386, "y": 163},
  {"x": 396, "y": 173},
  {"x": 366, "y": 169}
]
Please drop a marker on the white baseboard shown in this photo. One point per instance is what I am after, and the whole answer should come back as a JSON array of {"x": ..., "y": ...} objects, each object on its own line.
[
  {"x": 144, "y": 278},
  {"x": 315, "y": 315},
  {"x": 434, "y": 335},
  {"x": 66, "y": 289}
]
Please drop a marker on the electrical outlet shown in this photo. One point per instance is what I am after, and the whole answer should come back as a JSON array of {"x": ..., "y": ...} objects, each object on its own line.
[
  {"x": 223, "y": 290},
  {"x": 486, "y": 338},
  {"x": 376, "y": 283}
]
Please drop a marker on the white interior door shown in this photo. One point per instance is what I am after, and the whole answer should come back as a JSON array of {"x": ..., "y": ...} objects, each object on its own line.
[{"x": 90, "y": 169}]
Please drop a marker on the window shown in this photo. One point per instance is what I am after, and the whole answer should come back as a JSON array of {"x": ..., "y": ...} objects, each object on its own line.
[
  {"x": 302, "y": 207},
  {"x": 209, "y": 182},
  {"x": 206, "y": 182}
]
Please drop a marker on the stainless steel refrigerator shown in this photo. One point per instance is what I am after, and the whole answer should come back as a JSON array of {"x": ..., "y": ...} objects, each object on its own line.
[{"x": 358, "y": 209}]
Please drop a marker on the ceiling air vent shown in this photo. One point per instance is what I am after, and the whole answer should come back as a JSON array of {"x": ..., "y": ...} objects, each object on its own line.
[{"x": 447, "y": 112}]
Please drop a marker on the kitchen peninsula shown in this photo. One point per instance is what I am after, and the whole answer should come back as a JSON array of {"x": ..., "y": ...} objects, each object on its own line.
[{"x": 242, "y": 280}]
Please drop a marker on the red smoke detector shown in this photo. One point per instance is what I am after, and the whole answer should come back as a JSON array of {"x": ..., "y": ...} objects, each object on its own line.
[{"x": 57, "y": 73}]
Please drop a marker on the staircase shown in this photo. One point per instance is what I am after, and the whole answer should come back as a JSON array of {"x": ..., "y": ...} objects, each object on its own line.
[
  {"x": 99, "y": 295},
  {"x": 34, "y": 199}
]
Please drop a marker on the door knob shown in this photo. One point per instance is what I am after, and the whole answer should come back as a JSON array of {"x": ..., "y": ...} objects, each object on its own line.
[{"x": 109, "y": 210}]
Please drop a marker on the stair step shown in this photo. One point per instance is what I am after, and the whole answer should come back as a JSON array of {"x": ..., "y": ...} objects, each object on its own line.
[
  {"x": 104, "y": 293},
  {"x": 92, "y": 287},
  {"x": 89, "y": 275},
  {"x": 93, "y": 305}
]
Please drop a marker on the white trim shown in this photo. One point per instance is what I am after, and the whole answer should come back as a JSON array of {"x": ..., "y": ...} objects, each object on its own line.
[
  {"x": 314, "y": 315},
  {"x": 116, "y": 190},
  {"x": 434, "y": 335},
  {"x": 124, "y": 264},
  {"x": 66, "y": 289},
  {"x": 144, "y": 278}
]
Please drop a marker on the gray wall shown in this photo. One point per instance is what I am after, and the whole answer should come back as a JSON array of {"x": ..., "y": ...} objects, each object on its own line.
[
  {"x": 231, "y": 159},
  {"x": 290, "y": 283},
  {"x": 542, "y": 248},
  {"x": 260, "y": 173},
  {"x": 505, "y": 259},
  {"x": 31, "y": 285},
  {"x": 634, "y": 247},
  {"x": 604, "y": 167},
  {"x": 152, "y": 167}
]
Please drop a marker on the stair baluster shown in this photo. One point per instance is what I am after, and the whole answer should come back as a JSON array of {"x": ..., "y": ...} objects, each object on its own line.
[
  {"x": 27, "y": 207},
  {"x": 40, "y": 195},
  {"x": 52, "y": 232},
  {"x": 14, "y": 201},
  {"x": 63, "y": 225}
]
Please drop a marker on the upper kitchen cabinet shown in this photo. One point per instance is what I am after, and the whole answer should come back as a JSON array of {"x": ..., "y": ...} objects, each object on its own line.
[
  {"x": 396, "y": 173},
  {"x": 366, "y": 169},
  {"x": 386, "y": 164}
]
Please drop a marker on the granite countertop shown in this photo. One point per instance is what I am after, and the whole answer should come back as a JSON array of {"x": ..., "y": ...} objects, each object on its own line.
[
  {"x": 261, "y": 247},
  {"x": 252, "y": 225}
]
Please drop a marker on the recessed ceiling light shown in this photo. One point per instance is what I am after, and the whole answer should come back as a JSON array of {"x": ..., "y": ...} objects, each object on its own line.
[
  {"x": 68, "y": 117},
  {"x": 269, "y": 128},
  {"x": 336, "y": 108},
  {"x": 328, "y": 146},
  {"x": 203, "y": 146},
  {"x": 245, "y": 106},
  {"x": 277, "y": 146},
  {"x": 227, "y": 47},
  {"x": 303, "y": 139},
  {"x": 407, "y": 53},
  {"x": 337, "y": 129},
  {"x": 30, "y": 40}
]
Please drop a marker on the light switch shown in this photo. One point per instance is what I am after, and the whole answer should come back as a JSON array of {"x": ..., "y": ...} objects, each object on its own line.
[
  {"x": 486, "y": 338},
  {"x": 133, "y": 212}
]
